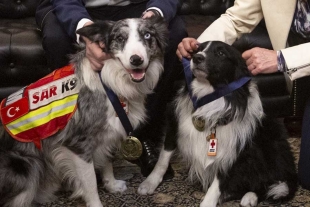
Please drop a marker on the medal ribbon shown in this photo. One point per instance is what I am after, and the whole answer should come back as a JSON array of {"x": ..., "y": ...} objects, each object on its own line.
[
  {"x": 118, "y": 108},
  {"x": 218, "y": 93}
]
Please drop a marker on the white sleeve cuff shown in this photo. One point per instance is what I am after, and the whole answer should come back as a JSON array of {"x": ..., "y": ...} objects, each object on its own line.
[
  {"x": 79, "y": 26},
  {"x": 155, "y": 8}
]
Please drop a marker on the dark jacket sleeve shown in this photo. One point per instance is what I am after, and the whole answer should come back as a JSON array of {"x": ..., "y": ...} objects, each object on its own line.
[
  {"x": 69, "y": 13},
  {"x": 168, "y": 7}
]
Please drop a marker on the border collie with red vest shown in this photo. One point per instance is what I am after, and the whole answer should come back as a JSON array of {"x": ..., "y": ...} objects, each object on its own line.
[{"x": 60, "y": 129}]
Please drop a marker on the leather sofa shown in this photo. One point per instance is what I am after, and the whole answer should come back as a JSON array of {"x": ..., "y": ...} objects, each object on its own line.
[{"x": 22, "y": 59}]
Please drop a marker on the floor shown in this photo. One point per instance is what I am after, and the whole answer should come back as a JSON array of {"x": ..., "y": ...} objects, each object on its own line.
[{"x": 177, "y": 192}]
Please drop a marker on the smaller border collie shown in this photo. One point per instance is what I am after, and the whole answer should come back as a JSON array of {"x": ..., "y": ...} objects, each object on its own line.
[
  {"x": 94, "y": 134},
  {"x": 252, "y": 161}
]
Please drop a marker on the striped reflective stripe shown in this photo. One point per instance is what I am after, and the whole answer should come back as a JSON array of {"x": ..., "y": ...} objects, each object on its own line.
[{"x": 43, "y": 115}]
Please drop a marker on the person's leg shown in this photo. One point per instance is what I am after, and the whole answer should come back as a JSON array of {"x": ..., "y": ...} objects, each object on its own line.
[
  {"x": 152, "y": 133},
  {"x": 304, "y": 159},
  {"x": 56, "y": 43}
]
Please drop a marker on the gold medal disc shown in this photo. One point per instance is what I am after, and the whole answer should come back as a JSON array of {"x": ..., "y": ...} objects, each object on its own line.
[
  {"x": 199, "y": 123},
  {"x": 131, "y": 148}
]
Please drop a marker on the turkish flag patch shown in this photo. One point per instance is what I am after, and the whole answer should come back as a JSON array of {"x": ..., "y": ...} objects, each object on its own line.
[{"x": 14, "y": 111}]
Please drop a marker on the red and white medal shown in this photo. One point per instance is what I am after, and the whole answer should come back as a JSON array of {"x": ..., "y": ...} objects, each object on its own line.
[{"x": 212, "y": 145}]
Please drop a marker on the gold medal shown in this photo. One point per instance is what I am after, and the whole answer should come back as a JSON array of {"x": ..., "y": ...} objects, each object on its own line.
[
  {"x": 131, "y": 148},
  {"x": 199, "y": 123}
]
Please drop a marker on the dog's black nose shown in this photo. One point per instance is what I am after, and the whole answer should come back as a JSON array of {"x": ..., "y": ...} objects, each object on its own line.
[
  {"x": 136, "y": 60},
  {"x": 198, "y": 58}
]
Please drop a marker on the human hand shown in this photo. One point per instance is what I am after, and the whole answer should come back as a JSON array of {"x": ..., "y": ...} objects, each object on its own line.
[
  {"x": 186, "y": 47},
  {"x": 261, "y": 60},
  {"x": 148, "y": 14},
  {"x": 94, "y": 52}
]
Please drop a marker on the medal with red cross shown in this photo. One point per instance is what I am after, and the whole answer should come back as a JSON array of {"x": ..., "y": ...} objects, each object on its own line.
[{"x": 212, "y": 144}]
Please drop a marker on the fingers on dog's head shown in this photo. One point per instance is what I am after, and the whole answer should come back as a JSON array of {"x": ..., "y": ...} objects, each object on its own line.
[
  {"x": 97, "y": 32},
  {"x": 223, "y": 62}
]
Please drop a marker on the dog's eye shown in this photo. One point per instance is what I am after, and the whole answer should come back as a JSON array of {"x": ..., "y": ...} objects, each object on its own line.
[
  {"x": 147, "y": 36},
  {"x": 220, "y": 53},
  {"x": 120, "y": 39}
]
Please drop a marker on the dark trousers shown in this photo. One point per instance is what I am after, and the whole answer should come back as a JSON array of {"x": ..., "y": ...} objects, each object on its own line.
[
  {"x": 57, "y": 45},
  {"x": 304, "y": 159}
]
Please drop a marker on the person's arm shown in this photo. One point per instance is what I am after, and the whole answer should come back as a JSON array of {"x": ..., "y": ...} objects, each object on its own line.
[
  {"x": 241, "y": 18},
  {"x": 297, "y": 61},
  {"x": 69, "y": 13},
  {"x": 168, "y": 8},
  {"x": 73, "y": 15}
]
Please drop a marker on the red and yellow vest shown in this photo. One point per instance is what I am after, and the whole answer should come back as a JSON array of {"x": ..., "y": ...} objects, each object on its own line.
[{"x": 41, "y": 109}]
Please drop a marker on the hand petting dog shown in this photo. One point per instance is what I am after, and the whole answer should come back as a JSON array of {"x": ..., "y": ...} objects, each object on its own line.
[
  {"x": 94, "y": 52},
  {"x": 261, "y": 60},
  {"x": 188, "y": 46}
]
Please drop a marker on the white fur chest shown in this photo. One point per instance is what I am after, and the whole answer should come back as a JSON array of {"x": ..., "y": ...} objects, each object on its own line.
[
  {"x": 135, "y": 112},
  {"x": 193, "y": 144},
  {"x": 113, "y": 130}
]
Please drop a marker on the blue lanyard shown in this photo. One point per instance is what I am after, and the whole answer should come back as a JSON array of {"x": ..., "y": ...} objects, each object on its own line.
[
  {"x": 118, "y": 108},
  {"x": 218, "y": 93}
]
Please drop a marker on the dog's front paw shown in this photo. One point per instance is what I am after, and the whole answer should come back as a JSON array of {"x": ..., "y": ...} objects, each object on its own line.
[
  {"x": 208, "y": 201},
  {"x": 94, "y": 205},
  {"x": 208, "y": 204},
  {"x": 116, "y": 186},
  {"x": 249, "y": 200},
  {"x": 148, "y": 186}
]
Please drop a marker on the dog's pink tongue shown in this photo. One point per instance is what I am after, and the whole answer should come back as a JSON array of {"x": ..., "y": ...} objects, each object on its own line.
[{"x": 137, "y": 74}]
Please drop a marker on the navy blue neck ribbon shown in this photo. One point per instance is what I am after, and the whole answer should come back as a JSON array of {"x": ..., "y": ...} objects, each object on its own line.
[
  {"x": 218, "y": 93},
  {"x": 118, "y": 108}
]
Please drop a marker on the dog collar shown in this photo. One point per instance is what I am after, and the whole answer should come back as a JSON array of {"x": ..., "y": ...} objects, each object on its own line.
[{"x": 218, "y": 93}]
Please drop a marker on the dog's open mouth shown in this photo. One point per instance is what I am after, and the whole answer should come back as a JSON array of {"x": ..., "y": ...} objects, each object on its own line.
[{"x": 137, "y": 75}]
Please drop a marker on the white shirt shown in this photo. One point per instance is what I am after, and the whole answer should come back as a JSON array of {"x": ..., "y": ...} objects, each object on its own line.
[{"x": 95, "y": 3}]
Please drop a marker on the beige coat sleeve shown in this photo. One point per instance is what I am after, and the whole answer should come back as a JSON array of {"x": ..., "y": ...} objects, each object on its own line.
[
  {"x": 237, "y": 20},
  {"x": 297, "y": 60},
  {"x": 242, "y": 18}
]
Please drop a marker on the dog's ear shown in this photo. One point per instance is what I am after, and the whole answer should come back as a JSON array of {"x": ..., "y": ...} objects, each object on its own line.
[
  {"x": 240, "y": 64},
  {"x": 242, "y": 68},
  {"x": 97, "y": 32},
  {"x": 161, "y": 29}
]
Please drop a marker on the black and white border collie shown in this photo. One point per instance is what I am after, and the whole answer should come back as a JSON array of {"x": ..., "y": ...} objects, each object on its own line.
[
  {"x": 253, "y": 161},
  {"x": 94, "y": 133}
]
